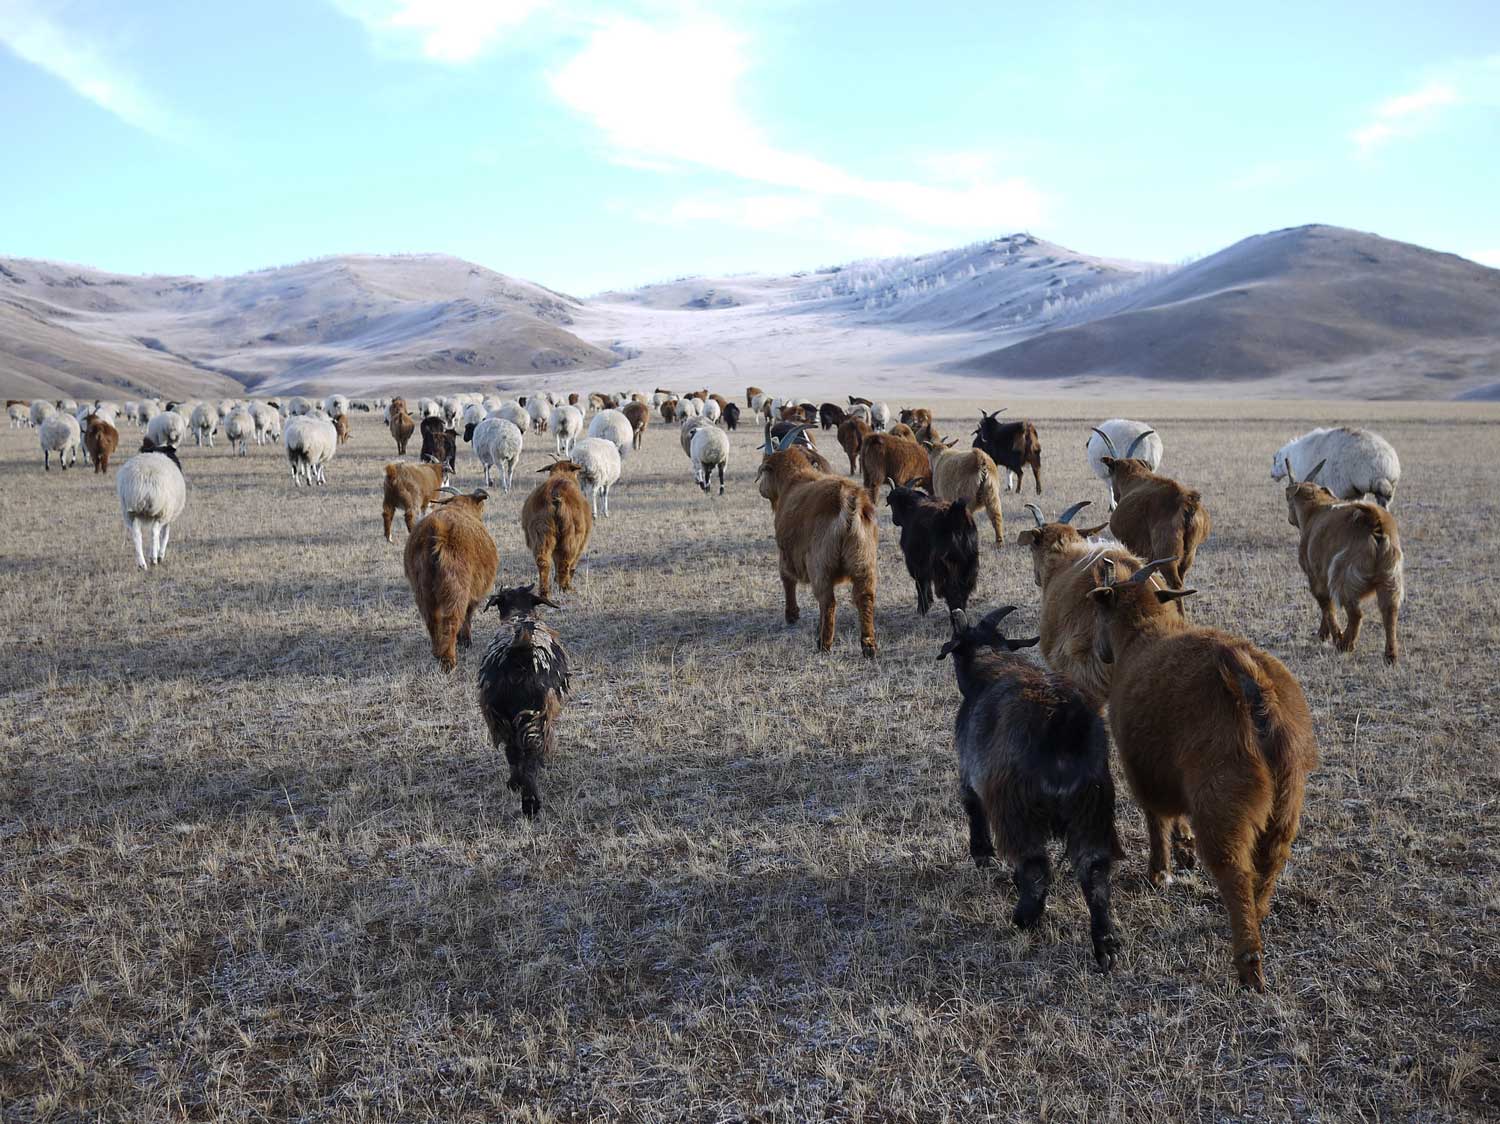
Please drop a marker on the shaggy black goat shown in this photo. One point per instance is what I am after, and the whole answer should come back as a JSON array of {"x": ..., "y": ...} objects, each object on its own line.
[
  {"x": 731, "y": 416},
  {"x": 439, "y": 445},
  {"x": 1033, "y": 763},
  {"x": 523, "y": 681},
  {"x": 940, "y": 545}
]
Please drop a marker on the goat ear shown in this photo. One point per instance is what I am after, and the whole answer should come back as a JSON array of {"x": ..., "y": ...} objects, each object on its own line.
[
  {"x": 1090, "y": 532},
  {"x": 952, "y": 441},
  {"x": 1028, "y": 538},
  {"x": 1102, "y": 595},
  {"x": 1166, "y": 595}
]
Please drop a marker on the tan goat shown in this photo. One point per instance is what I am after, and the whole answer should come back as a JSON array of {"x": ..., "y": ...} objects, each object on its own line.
[
  {"x": 450, "y": 563},
  {"x": 968, "y": 475},
  {"x": 410, "y": 487},
  {"x": 557, "y": 523},
  {"x": 1156, "y": 517}
]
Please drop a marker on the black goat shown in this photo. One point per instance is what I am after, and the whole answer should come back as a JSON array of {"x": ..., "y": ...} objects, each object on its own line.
[
  {"x": 523, "y": 681},
  {"x": 439, "y": 445},
  {"x": 1033, "y": 763},
  {"x": 1011, "y": 445},
  {"x": 830, "y": 414},
  {"x": 940, "y": 544},
  {"x": 731, "y": 416}
]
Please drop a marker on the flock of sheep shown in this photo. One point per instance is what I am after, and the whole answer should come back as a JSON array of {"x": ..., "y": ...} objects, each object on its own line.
[{"x": 1213, "y": 734}]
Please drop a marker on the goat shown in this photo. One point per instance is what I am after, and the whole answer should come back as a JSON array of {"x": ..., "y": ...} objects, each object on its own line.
[
  {"x": 831, "y": 415},
  {"x": 852, "y": 433},
  {"x": 523, "y": 682},
  {"x": 450, "y": 563},
  {"x": 402, "y": 426},
  {"x": 1233, "y": 756},
  {"x": 101, "y": 440},
  {"x": 901, "y": 429},
  {"x": 1012, "y": 446},
  {"x": 751, "y": 394},
  {"x": 1066, "y": 567},
  {"x": 439, "y": 443},
  {"x": 341, "y": 427},
  {"x": 919, "y": 421},
  {"x": 1349, "y": 552},
  {"x": 883, "y": 457},
  {"x": 969, "y": 475},
  {"x": 731, "y": 416},
  {"x": 1156, "y": 517},
  {"x": 826, "y": 535},
  {"x": 1033, "y": 765},
  {"x": 638, "y": 414},
  {"x": 152, "y": 495},
  {"x": 1133, "y": 435},
  {"x": 557, "y": 522},
  {"x": 412, "y": 488},
  {"x": 940, "y": 546},
  {"x": 1357, "y": 462}
]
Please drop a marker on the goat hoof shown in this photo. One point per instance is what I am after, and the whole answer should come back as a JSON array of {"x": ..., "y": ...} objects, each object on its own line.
[
  {"x": 983, "y": 861},
  {"x": 870, "y": 651},
  {"x": 1106, "y": 951},
  {"x": 530, "y": 806},
  {"x": 1161, "y": 879},
  {"x": 1026, "y": 917},
  {"x": 1252, "y": 973}
]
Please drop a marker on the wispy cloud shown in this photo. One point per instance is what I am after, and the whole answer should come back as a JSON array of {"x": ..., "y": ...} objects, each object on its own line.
[
  {"x": 75, "y": 55},
  {"x": 1405, "y": 115},
  {"x": 446, "y": 31},
  {"x": 670, "y": 96}
]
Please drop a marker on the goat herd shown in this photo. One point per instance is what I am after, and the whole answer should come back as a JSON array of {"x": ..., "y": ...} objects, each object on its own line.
[{"x": 1213, "y": 734}]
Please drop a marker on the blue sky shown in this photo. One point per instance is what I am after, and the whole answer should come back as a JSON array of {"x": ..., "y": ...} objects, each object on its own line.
[{"x": 587, "y": 145}]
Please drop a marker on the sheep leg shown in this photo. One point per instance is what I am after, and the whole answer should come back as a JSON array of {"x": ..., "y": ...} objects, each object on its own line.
[
  {"x": 721, "y": 478},
  {"x": 166, "y": 537},
  {"x": 1389, "y": 596},
  {"x": 140, "y": 544},
  {"x": 1157, "y": 868},
  {"x": 606, "y": 500},
  {"x": 981, "y": 846},
  {"x": 1032, "y": 878},
  {"x": 1355, "y": 616},
  {"x": 864, "y": 603},
  {"x": 1093, "y": 879},
  {"x": 789, "y": 585}
]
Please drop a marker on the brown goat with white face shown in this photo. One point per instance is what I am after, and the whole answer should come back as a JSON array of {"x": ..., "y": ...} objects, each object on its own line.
[
  {"x": 1066, "y": 566},
  {"x": 410, "y": 487},
  {"x": 450, "y": 563},
  {"x": 885, "y": 458},
  {"x": 557, "y": 523},
  {"x": 1350, "y": 552},
  {"x": 1209, "y": 727},
  {"x": 852, "y": 433},
  {"x": 1156, "y": 517},
  {"x": 826, "y": 534}
]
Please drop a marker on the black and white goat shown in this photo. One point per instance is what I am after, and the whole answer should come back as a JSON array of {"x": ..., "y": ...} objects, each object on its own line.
[
  {"x": 523, "y": 681},
  {"x": 1033, "y": 762}
]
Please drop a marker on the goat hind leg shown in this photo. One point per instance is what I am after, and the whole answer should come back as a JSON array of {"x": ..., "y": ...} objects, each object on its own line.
[
  {"x": 864, "y": 603},
  {"x": 981, "y": 846},
  {"x": 828, "y": 611},
  {"x": 1158, "y": 869},
  {"x": 1355, "y": 616},
  {"x": 1033, "y": 876},
  {"x": 1184, "y": 844},
  {"x": 1237, "y": 889},
  {"x": 1093, "y": 880},
  {"x": 1390, "y": 610}
]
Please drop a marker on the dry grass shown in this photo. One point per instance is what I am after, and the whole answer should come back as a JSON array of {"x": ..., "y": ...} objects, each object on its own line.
[{"x": 257, "y": 859}]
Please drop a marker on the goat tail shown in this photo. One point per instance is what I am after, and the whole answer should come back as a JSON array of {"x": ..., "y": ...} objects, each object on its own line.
[
  {"x": 390, "y": 474},
  {"x": 1269, "y": 737}
]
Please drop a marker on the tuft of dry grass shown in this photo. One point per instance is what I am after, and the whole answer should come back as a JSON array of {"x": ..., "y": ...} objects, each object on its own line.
[{"x": 257, "y": 859}]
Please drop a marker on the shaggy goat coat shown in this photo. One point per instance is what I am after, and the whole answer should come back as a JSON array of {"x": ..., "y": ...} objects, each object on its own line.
[
  {"x": 450, "y": 563},
  {"x": 557, "y": 523}
]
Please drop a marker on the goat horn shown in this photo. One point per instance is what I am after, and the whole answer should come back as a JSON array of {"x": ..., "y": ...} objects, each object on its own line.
[
  {"x": 1148, "y": 571},
  {"x": 792, "y": 435},
  {"x": 1112, "y": 450},
  {"x": 769, "y": 446},
  {"x": 1317, "y": 468},
  {"x": 1036, "y": 513},
  {"x": 1107, "y": 571},
  {"x": 1139, "y": 437},
  {"x": 1067, "y": 516}
]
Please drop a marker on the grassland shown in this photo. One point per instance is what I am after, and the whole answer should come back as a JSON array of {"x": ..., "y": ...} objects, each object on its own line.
[{"x": 257, "y": 859}]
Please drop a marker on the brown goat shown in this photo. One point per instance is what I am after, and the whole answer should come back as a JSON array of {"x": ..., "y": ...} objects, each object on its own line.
[
  {"x": 826, "y": 534},
  {"x": 450, "y": 563},
  {"x": 412, "y": 488},
  {"x": 668, "y": 408},
  {"x": 341, "y": 427},
  {"x": 969, "y": 475},
  {"x": 1349, "y": 552},
  {"x": 1066, "y": 566},
  {"x": 852, "y": 434},
  {"x": 402, "y": 426},
  {"x": 919, "y": 421},
  {"x": 638, "y": 414},
  {"x": 901, "y": 429},
  {"x": 721, "y": 400},
  {"x": 1209, "y": 727},
  {"x": 100, "y": 440},
  {"x": 557, "y": 522},
  {"x": 885, "y": 458},
  {"x": 1156, "y": 517}
]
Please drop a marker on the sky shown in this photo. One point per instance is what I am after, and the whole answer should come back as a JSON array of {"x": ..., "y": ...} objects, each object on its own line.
[{"x": 588, "y": 145}]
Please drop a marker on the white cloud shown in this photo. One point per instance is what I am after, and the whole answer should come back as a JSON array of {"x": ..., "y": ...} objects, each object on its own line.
[
  {"x": 1405, "y": 115},
  {"x": 671, "y": 94},
  {"x": 70, "y": 54},
  {"x": 446, "y": 31}
]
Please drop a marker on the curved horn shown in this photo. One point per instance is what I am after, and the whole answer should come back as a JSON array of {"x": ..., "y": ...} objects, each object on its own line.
[
  {"x": 768, "y": 446},
  {"x": 1036, "y": 513},
  {"x": 1067, "y": 515},
  {"x": 1148, "y": 571},
  {"x": 1317, "y": 468},
  {"x": 791, "y": 436},
  {"x": 992, "y": 621},
  {"x": 1107, "y": 571},
  {"x": 1112, "y": 450},
  {"x": 1139, "y": 437}
]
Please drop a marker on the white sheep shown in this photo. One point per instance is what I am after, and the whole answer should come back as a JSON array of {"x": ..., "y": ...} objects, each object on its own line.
[
  {"x": 515, "y": 413},
  {"x": 152, "y": 494},
  {"x": 1119, "y": 438},
  {"x": 167, "y": 428},
  {"x": 880, "y": 416},
  {"x": 298, "y": 407},
  {"x": 68, "y": 405},
  {"x": 614, "y": 427},
  {"x": 689, "y": 408},
  {"x": 473, "y": 414},
  {"x": 41, "y": 409},
  {"x": 20, "y": 416},
  {"x": 310, "y": 444},
  {"x": 537, "y": 409},
  {"x": 335, "y": 404},
  {"x": 712, "y": 411},
  {"x": 497, "y": 444},
  {"x": 147, "y": 410},
  {"x": 567, "y": 427},
  {"x": 204, "y": 423},
  {"x": 239, "y": 427},
  {"x": 710, "y": 450},
  {"x": 267, "y": 423},
  {"x": 1357, "y": 461},
  {"x": 59, "y": 434},
  {"x": 598, "y": 460}
]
